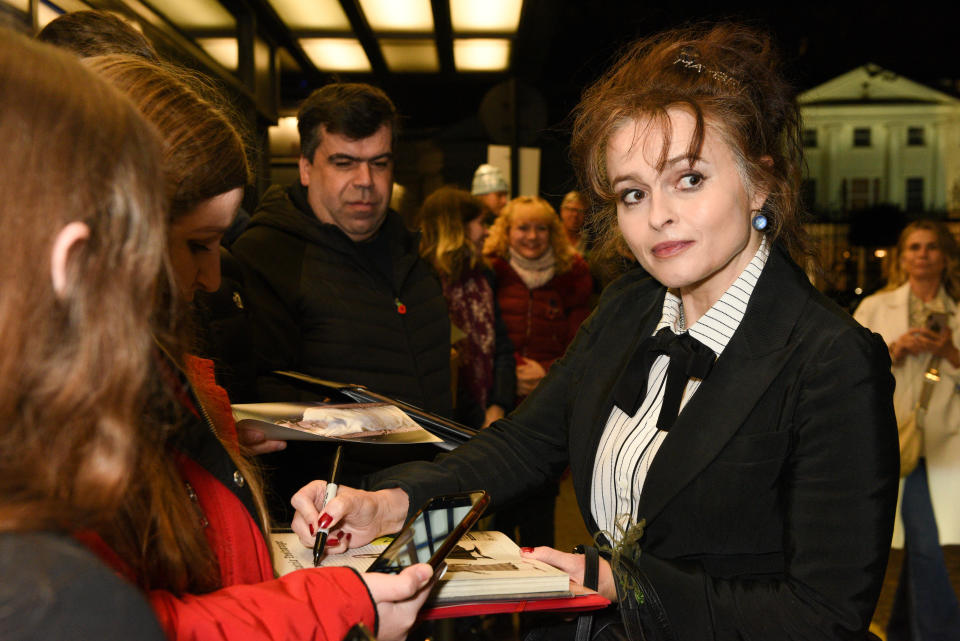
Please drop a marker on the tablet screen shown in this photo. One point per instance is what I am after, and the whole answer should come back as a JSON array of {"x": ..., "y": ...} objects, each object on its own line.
[{"x": 433, "y": 531}]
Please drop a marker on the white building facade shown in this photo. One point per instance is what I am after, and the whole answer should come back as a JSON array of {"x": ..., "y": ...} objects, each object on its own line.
[{"x": 872, "y": 137}]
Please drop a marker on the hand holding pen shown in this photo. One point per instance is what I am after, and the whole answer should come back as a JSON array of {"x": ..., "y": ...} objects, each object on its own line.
[{"x": 324, "y": 530}]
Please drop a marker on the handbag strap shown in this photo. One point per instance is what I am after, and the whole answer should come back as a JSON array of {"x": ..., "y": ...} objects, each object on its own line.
[
  {"x": 591, "y": 579},
  {"x": 931, "y": 376}
]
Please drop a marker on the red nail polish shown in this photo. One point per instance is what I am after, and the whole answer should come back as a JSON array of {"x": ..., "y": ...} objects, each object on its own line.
[
  {"x": 324, "y": 522},
  {"x": 310, "y": 525},
  {"x": 527, "y": 550},
  {"x": 332, "y": 543}
]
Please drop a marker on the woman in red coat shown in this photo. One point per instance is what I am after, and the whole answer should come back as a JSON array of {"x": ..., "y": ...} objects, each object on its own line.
[
  {"x": 192, "y": 530},
  {"x": 543, "y": 288},
  {"x": 543, "y": 285}
]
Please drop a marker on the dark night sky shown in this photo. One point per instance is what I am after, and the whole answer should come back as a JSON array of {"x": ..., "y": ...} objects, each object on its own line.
[{"x": 564, "y": 44}]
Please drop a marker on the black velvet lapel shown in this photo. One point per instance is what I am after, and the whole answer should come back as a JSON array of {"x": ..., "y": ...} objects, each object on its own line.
[
  {"x": 749, "y": 363},
  {"x": 598, "y": 381}
]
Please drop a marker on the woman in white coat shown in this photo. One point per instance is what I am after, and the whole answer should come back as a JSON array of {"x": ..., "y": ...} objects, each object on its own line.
[{"x": 924, "y": 285}]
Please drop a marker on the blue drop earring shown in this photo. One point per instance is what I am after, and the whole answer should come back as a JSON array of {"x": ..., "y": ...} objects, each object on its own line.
[{"x": 759, "y": 220}]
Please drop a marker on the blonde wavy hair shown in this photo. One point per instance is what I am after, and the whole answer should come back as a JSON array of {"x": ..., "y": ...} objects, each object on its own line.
[
  {"x": 896, "y": 276},
  {"x": 498, "y": 242}
]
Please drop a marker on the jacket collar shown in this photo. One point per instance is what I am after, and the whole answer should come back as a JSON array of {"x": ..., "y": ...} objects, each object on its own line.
[
  {"x": 753, "y": 358},
  {"x": 287, "y": 209},
  {"x": 900, "y": 298}
]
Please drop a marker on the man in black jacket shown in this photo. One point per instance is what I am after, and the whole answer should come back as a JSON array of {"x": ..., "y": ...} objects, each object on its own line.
[{"x": 334, "y": 284}]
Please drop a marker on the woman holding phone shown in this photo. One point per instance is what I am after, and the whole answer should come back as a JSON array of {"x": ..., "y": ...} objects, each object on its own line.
[
  {"x": 729, "y": 430},
  {"x": 917, "y": 316}
]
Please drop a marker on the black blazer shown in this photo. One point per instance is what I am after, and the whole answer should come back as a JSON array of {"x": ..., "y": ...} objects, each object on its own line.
[{"x": 769, "y": 505}]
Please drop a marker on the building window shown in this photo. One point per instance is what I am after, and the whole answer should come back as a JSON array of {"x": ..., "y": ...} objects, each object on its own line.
[
  {"x": 914, "y": 194},
  {"x": 808, "y": 194},
  {"x": 859, "y": 193},
  {"x": 915, "y": 137},
  {"x": 810, "y": 138},
  {"x": 861, "y": 137}
]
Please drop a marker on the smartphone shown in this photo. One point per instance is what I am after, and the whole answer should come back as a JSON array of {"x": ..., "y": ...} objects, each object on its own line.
[
  {"x": 432, "y": 533},
  {"x": 936, "y": 321}
]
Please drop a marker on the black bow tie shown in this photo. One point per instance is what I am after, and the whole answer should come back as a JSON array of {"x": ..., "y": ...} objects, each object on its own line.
[{"x": 689, "y": 358}]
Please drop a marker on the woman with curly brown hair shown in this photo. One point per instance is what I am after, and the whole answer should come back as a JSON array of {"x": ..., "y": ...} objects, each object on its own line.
[{"x": 729, "y": 430}]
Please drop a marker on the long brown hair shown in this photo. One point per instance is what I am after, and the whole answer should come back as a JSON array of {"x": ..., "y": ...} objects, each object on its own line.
[
  {"x": 498, "y": 242},
  {"x": 442, "y": 223},
  {"x": 159, "y": 533},
  {"x": 204, "y": 154},
  {"x": 97, "y": 33},
  {"x": 896, "y": 276},
  {"x": 73, "y": 366},
  {"x": 728, "y": 77}
]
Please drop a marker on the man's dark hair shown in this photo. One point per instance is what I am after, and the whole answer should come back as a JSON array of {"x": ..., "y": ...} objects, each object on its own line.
[
  {"x": 351, "y": 109},
  {"x": 97, "y": 33}
]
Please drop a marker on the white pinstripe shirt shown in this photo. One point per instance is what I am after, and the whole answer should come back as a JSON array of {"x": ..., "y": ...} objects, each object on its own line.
[{"x": 629, "y": 443}]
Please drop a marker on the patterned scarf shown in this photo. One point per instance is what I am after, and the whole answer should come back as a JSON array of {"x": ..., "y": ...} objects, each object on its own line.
[{"x": 470, "y": 301}]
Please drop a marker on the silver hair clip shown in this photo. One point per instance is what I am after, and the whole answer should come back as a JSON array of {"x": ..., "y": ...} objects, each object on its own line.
[{"x": 688, "y": 59}]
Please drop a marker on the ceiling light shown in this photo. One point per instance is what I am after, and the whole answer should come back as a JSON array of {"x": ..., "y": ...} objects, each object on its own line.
[
  {"x": 410, "y": 55},
  {"x": 223, "y": 50},
  {"x": 481, "y": 54},
  {"x": 399, "y": 15},
  {"x": 486, "y": 15},
  {"x": 304, "y": 15},
  {"x": 336, "y": 54},
  {"x": 197, "y": 14}
]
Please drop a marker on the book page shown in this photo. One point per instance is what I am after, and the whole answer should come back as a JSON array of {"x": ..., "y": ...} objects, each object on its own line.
[
  {"x": 483, "y": 564},
  {"x": 290, "y": 554},
  {"x": 485, "y": 543},
  {"x": 488, "y": 563},
  {"x": 278, "y": 421}
]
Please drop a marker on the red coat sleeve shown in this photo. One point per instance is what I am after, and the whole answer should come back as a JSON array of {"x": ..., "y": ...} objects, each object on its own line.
[{"x": 313, "y": 604}]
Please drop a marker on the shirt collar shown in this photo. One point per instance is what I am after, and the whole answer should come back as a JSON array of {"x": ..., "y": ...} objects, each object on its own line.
[{"x": 717, "y": 326}]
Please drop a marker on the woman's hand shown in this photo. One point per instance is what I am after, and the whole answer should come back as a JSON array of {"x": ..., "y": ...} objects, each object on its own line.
[
  {"x": 916, "y": 340},
  {"x": 919, "y": 340},
  {"x": 355, "y": 517},
  {"x": 943, "y": 346},
  {"x": 529, "y": 375},
  {"x": 573, "y": 564},
  {"x": 256, "y": 442},
  {"x": 398, "y": 598}
]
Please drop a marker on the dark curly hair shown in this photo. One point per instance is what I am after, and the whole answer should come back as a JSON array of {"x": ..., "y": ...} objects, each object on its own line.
[{"x": 727, "y": 76}]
